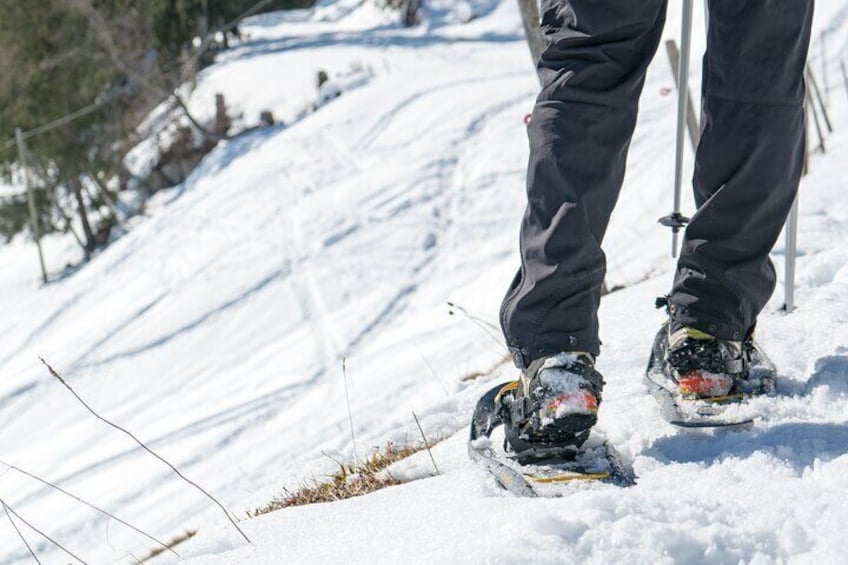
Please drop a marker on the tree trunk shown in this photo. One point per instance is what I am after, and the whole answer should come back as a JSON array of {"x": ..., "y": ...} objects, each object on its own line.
[
  {"x": 203, "y": 20},
  {"x": 107, "y": 197},
  {"x": 90, "y": 244},
  {"x": 530, "y": 18},
  {"x": 412, "y": 12},
  {"x": 52, "y": 199}
]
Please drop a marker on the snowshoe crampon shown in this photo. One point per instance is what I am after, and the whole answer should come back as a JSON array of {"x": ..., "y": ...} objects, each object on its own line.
[
  {"x": 544, "y": 472},
  {"x": 730, "y": 410}
]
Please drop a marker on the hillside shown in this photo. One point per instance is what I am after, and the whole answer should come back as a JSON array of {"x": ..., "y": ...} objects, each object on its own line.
[{"x": 216, "y": 328}]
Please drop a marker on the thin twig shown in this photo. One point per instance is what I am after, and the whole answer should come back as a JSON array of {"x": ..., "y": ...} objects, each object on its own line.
[
  {"x": 20, "y": 534},
  {"x": 11, "y": 510},
  {"x": 487, "y": 327},
  {"x": 432, "y": 370},
  {"x": 426, "y": 443},
  {"x": 473, "y": 317},
  {"x": 144, "y": 447},
  {"x": 90, "y": 505},
  {"x": 349, "y": 411},
  {"x": 333, "y": 459}
]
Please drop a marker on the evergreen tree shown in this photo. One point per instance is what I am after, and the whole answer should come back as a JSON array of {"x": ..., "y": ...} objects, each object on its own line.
[{"x": 116, "y": 59}]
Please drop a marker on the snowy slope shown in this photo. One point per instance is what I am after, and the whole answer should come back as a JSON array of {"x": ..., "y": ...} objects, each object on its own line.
[{"x": 216, "y": 328}]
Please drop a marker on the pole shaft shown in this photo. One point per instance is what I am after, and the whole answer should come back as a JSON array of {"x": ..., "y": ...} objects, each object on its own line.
[
  {"x": 33, "y": 214},
  {"x": 823, "y": 42},
  {"x": 701, "y": 116},
  {"x": 692, "y": 120},
  {"x": 792, "y": 225},
  {"x": 791, "y": 253},
  {"x": 682, "y": 95},
  {"x": 844, "y": 74}
]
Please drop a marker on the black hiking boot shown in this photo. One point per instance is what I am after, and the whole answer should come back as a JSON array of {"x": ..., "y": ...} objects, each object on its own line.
[
  {"x": 549, "y": 412},
  {"x": 702, "y": 366}
]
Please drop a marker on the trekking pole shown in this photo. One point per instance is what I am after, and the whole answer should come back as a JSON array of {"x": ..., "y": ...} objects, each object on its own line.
[
  {"x": 791, "y": 226},
  {"x": 676, "y": 220},
  {"x": 791, "y": 253},
  {"x": 707, "y": 34}
]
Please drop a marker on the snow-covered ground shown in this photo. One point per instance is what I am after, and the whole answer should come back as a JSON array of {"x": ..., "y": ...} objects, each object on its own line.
[{"x": 215, "y": 330}]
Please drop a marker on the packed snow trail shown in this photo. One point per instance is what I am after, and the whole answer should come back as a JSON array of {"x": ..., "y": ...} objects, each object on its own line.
[
  {"x": 216, "y": 328},
  {"x": 771, "y": 493}
]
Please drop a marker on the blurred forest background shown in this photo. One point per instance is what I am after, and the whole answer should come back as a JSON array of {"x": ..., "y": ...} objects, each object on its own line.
[{"x": 77, "y": 78}]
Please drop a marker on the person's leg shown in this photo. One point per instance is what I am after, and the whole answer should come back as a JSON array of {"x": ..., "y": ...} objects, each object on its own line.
[
  {"x": 593, "y": 70},
  {"x": 748, "y": 163}
]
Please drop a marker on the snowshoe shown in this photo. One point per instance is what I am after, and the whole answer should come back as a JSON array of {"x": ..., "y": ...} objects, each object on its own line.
[
  {"x": 568, "y": 450},
  {"x": 700, "y": 381}
]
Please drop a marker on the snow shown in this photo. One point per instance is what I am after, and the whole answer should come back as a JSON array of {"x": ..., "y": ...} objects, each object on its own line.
[
  {"x": 216, "y": 328},
  {"x": 565, "y": 388},
  {"x": 7, "y": 190}
]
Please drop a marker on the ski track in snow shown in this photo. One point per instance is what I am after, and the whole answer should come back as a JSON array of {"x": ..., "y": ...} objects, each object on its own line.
[{"x": 216, "y": 328}]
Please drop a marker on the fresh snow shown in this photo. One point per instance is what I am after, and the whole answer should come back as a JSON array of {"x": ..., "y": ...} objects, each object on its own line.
[{"x": 216, "y": 328}]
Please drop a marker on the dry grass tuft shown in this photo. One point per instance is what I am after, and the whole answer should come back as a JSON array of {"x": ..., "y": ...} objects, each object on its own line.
[{"x": 349, "y": 481}]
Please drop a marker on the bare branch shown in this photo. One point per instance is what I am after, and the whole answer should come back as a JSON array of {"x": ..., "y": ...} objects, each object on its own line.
[
  {"x": 426, "y": 444},
  {"x": 90, "y": 505},
  {"x": 141, "y": 444},
  {"x": 11, "y": 511},
  {"x": 486, "y": 326},
  {"x": 20, "y": 534},
  {"x": 349, "y": 411}
]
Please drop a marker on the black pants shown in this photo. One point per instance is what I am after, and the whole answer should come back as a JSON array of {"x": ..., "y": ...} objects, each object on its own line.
[{"x": 747, "y": 169}]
